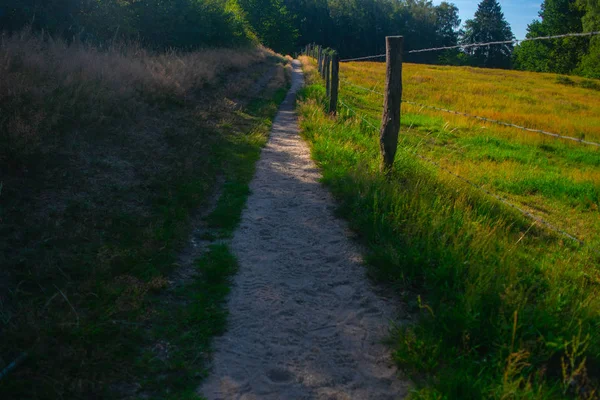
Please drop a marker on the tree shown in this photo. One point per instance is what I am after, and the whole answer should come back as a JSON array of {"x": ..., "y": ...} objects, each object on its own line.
[
  {"x": 489, "y": 25},
  {"x": 557, "y": 55},
  {"x": 312, "y": 21},
  {"x": 590, "y": 63},
  {"x": 272, "y": 22},
  {"x": 182, "y": 24},
  {"x": 420, "y": 30},
  {"x": 447, "y": 25}
]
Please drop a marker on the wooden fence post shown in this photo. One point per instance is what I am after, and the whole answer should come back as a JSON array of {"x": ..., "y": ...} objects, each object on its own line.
[
  {"x": 335, "y": 83},
  {"x": 321, "y": 71},
  {"x": 390, "y": 121},
  {"x": 327, "y": 74},
  {"x": 320, "y": 59}
]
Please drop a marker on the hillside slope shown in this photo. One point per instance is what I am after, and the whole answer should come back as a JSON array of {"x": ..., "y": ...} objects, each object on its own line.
[{"x": 104, "y": 158}]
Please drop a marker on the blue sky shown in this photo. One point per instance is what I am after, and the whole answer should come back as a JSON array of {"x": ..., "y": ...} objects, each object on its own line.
[{"x": 518, "y": 13}]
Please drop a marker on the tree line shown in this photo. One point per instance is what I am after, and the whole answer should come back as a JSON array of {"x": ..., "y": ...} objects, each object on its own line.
[
  {"x": 576, "y": 55},
  {"x": 353, "y": 27}
]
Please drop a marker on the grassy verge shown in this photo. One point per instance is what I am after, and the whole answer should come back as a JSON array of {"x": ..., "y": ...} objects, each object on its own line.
[
  {"x": 505, "y": 309},
  {"x": 193, "y": 313},
  {"x": 182, "y": 334},
  {"x": 105, "y": 158}
]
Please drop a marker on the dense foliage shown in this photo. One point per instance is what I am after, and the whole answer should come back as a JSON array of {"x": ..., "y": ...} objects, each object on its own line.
[
  {"x": 353, "y": 27},
  {"x": 156, "y": 23},
  {"x": 358, "y": 27},
  {"x": 489, "y": 25},
  {"x": 580, "y": 55}
]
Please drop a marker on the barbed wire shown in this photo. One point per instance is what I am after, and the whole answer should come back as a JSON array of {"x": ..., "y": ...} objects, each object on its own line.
[
  {"x": 507, "y": 124},
  {"x": 362, "y": 87},
  {"x": 363, "y": 58},
  {"x": 358, "y": 115},
  {"x": 478, "y": 187},
  {"x": 513, "y": 41},
  {"x": 470, "y": 45}
]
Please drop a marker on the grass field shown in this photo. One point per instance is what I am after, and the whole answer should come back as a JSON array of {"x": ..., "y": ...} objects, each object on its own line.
[
  {"x": 553, "y": 179},
  {"x": 505, "y": 307},
  {"x": 108, "y": 159}
]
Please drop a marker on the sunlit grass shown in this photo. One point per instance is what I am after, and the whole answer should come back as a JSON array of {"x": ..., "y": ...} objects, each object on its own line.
[
  {"x": 535, "y": 100},
  {"x": 501, "y": 301},
  {"x": 556, "y": 180}
]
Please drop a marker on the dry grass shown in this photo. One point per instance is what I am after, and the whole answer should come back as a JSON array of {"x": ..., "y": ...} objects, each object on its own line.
[
  {"x": 34, "y": 72},
  {"x": 103, "y": 157}
]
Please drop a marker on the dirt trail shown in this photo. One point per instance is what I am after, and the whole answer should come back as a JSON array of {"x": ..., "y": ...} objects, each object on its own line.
[{"x": 304, "y": 321}]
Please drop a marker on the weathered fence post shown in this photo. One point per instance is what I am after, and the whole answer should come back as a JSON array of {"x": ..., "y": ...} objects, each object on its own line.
[
  {"x": 317, "y": 57},
  {"x": 335, "y": 82},
  {"x": 320, "y": 59},
  {"x": 321, "y": 70},
  {"x": 390, "y": 121},
  {"x": 327, "y": 73}
]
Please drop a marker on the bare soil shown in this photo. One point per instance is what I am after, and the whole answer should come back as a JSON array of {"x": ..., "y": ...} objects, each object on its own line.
[{"x": 305, "y": 322}]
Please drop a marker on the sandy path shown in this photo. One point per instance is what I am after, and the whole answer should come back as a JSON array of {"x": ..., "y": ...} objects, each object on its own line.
[{"x": 304, "y": 321}]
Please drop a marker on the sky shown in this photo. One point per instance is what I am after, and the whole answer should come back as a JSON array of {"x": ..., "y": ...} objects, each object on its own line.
[{"x": 518, "y": 13}]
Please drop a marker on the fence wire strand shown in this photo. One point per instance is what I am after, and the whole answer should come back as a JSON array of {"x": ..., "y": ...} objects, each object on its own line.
[
  {"x": 476, "y": 186},
  {"x": 471, "y": 45},
  {"x": 507, "y": 124},
  {"x": 513, "y": 41},
  {"x": 358, "y": 115}
]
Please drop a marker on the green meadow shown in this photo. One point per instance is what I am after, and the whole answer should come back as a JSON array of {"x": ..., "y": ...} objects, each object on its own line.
[{"x": 502, "y": 306}]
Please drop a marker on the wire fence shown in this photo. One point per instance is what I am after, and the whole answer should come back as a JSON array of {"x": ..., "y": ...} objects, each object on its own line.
[
  {"x": 485, "y": 119},
  {"x": 469, "y": 182},
  {"x": 474, "y": 185},
  {"x": 471, "y": 45}
]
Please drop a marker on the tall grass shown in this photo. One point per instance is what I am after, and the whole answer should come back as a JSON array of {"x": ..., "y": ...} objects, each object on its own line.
[
  {"x": 504, "y": 308},
  {"x": 46, "y": 83},
  {"x": 556, "y": 180},
  {"x": 536, "y": 100},
  {"x": 105, "y": 156}
]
